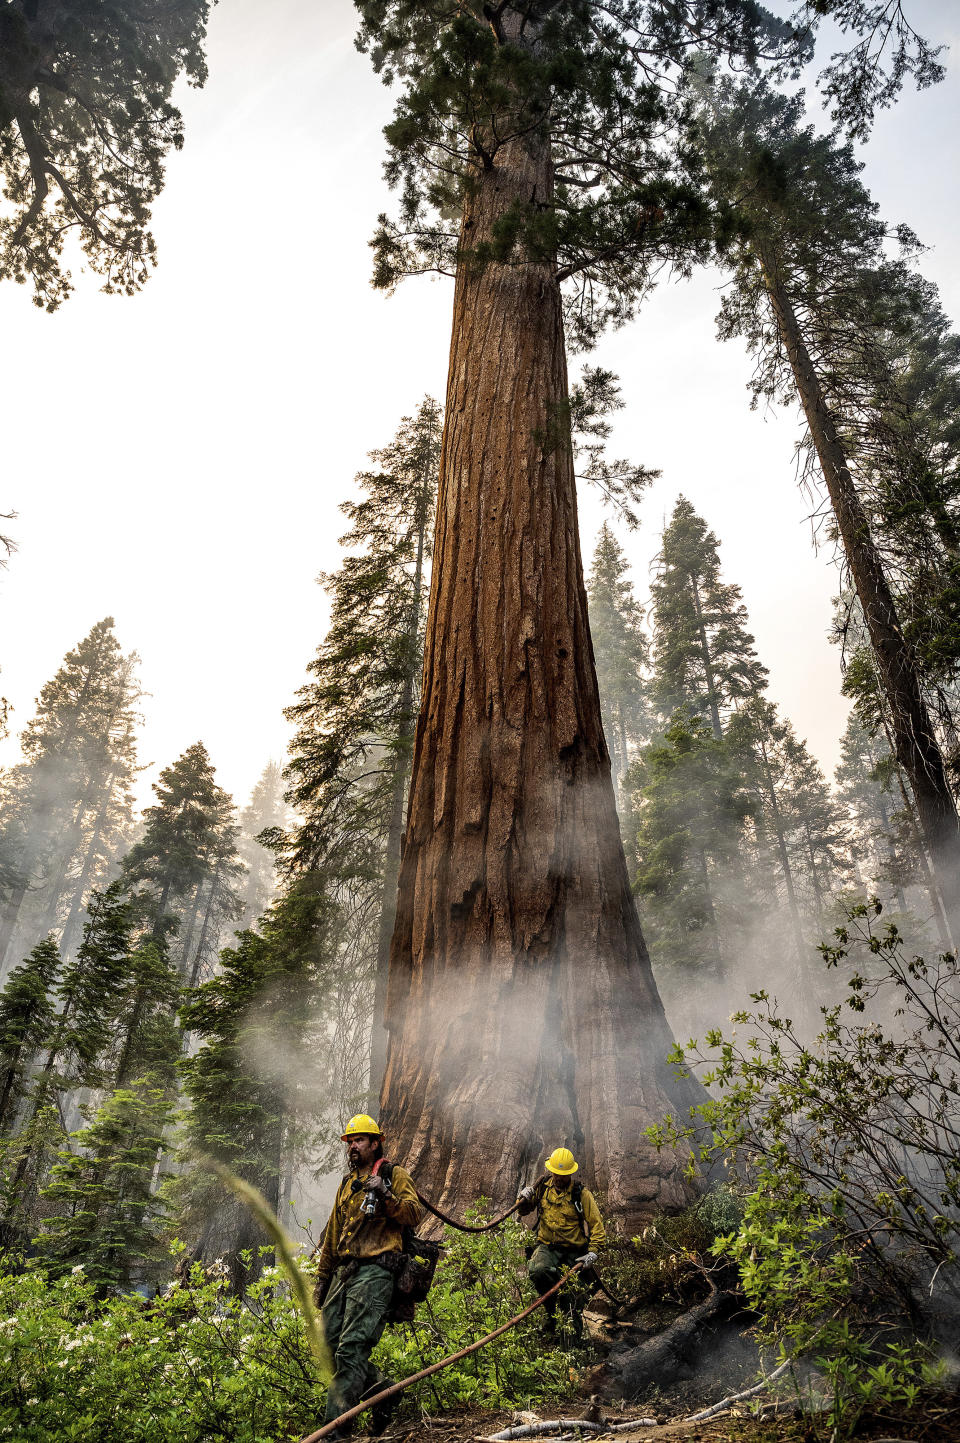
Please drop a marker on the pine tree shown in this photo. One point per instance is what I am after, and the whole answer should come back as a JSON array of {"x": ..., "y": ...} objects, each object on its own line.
[
  {"x": 86, "y": 120},
  {"x": 77, "y": 1054},
  {"x": 350, "y": 757},
  {"x": 67, "y": 804},
  {"x": 266, "y": 812},
  {"x": 704, "y": 657},
  {"x": 691, "y": 809},
  {"x": 257, "y": 1074},
  {"x": 26, "y": 1021},
  {"x": 863, "y": 777},
  {"x": 109, "y": 1218},
  {"x": 188, "y": 834},
  {"x": 620, "y": 651},
  {"x": 810, "y": 237}
]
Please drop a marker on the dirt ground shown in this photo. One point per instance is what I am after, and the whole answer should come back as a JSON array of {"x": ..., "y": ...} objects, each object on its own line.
[{"x": 937, "y": 1424}]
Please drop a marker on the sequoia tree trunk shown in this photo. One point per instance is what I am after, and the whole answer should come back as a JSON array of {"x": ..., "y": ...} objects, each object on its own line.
[
  {"x": 914, "y": 739},
  {"x": 521, "y": 1009}
]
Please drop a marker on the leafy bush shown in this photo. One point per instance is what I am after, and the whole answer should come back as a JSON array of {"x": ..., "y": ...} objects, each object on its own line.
[
  {"x": 194, "y": 1363},
  {"x": 481, "y": 1282},
  {"x": 847, "y": 1151},
  {"x": 199, "y": 1362}
]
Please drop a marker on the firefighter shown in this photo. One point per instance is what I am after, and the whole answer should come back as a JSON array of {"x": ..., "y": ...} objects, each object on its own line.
[
  {"x": 569, "y": 1229},
  {"x": 359, "y": 1257}
]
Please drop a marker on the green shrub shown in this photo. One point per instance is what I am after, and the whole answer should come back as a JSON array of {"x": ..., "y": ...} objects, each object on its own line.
[
  {"x": 480, "y": 1283},
  {"x": 846, "y": 1151},
  {"x": 199, "y": 1362},
  {"x": 194, "y": 1363}
]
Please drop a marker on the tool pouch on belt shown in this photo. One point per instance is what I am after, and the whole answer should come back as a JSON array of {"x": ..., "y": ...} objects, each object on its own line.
[{"x": 414, "y": 1279}]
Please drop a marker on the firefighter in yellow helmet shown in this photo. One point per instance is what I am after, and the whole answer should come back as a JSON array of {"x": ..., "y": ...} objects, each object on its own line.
[
  {"x": 360, "y": 1254},
  {"x": 569, "y": 1229}
]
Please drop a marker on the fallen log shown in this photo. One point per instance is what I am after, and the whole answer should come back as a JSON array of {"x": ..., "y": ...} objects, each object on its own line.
[{"x": 660, "y": 1359}]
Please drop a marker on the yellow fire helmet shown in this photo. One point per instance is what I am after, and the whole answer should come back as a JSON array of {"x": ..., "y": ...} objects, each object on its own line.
[
  {"x": 562, "y": 1161},
  {"x": 362, "y": 1125}
]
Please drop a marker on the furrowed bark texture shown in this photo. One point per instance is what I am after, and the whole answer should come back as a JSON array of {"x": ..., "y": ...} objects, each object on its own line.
[
  {"x": 521, "y": 1008},
  {"x": 914, "y": 738}
]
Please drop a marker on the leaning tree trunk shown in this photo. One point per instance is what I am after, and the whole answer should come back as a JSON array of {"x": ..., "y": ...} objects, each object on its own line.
[
  {"x": 914, "y": 738},
  {"x": 521, "y": 1008}
]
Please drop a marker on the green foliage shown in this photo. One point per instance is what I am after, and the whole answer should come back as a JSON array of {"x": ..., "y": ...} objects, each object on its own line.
[
  {"x": 109, "y": 1218},
  {"x": 480, "y": 1283},
  {"x": 189, "y": 836},
  {"x": 350, "y": 756},
  {"x": 256, "y": 1077},
  {"x": 200, "y": 1359},
  {"x": 620, "y": 650},
  {"x": 26, "y": 1019},
  {"x": 704, "y": 656},
  {"x": 66, "y": 806},
  {"x": 212, "y": 1363},
  {"x": 691, "y": 805},
  {"x": 847, "y": 1153},
  {"x": 668, "y": 1261},
  {"x": 86, "y": 120}
]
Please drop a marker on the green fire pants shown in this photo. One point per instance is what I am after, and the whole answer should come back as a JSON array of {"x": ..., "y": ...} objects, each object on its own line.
[
  {"x": 546, "y": 1267},
  {"x": 354, "y": 1316}
]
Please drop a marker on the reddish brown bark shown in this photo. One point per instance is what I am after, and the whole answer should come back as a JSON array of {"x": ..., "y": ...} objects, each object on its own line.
[{"x": 521, "y": 1007}]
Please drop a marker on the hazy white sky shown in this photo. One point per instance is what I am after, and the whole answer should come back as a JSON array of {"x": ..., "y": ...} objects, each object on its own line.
[{"x": 177, "y": 459}]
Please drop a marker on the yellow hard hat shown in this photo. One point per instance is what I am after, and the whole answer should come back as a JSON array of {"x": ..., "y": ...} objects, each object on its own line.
[
  {"x": 362, "y": 1125},
  {"x": 561, "y": 1161}
]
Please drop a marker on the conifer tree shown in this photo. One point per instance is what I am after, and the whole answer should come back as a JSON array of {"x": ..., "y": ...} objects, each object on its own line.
[
  {"x": 691, "y": 806},
  {"x": 76, "y": 1053},
  {"x": 810, "y": 237},
  {"x": 265, "y": 812},
  {"x": 86, "y": 120},
  {"x": 863, "y": 777},
  {"x": 109, "y": 1218},
  {"x": 350, "y": 757},
  {"x": 67, "y": 804},
  {"x": 546, "y": 129},
  {"x": 620, "y": 649},
  {"x": 704, "y": 657},
  {"x": 258, "y": 1073},
  {"x": 188, "y": 833},
  {"x": 26, "y": 1021}
]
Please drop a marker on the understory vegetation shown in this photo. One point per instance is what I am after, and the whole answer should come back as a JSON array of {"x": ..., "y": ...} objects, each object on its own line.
[{"x": 202, "y": 1361}]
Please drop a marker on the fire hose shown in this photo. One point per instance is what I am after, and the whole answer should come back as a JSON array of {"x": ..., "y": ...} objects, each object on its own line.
[
  {"x": 396, "y": 1388},
  {"x": 618, "y": 1303},
  {"x": 495, "y": 1223}
]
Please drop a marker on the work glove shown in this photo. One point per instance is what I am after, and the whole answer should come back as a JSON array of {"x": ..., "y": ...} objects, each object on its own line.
[
  {"x": 320, "y": 1290},
  {"x": 375, "y": 1185},
  {"x": 526, "y": 1194},
  {"x": 587, "y": 1261}
]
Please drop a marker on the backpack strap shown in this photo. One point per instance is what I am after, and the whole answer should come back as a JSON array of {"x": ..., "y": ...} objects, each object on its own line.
[{"x": 576, "y": 1197}]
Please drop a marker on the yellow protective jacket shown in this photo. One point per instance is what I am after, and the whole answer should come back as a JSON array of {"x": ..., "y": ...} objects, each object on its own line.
[
  {"x": 351, "y": 1234},
  {"x": 559, "y": 1223}
]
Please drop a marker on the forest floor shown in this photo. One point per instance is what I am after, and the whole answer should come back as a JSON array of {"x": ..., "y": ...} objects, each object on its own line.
[
  {"x": 727, "y": 1365},
  {"x": 919, "y": 1426}
]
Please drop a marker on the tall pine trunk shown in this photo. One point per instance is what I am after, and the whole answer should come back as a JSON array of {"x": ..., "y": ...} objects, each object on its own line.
[
  {"x": 707, "y": 662},
  {"x": 521, "y": 1008},
  {"x": 914, "y": 739}
]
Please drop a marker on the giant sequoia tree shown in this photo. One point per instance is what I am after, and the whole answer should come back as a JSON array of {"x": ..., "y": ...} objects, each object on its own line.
[
  {"x": 521, "y": 1004},
  {"x": 521, "y": 1007}
]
